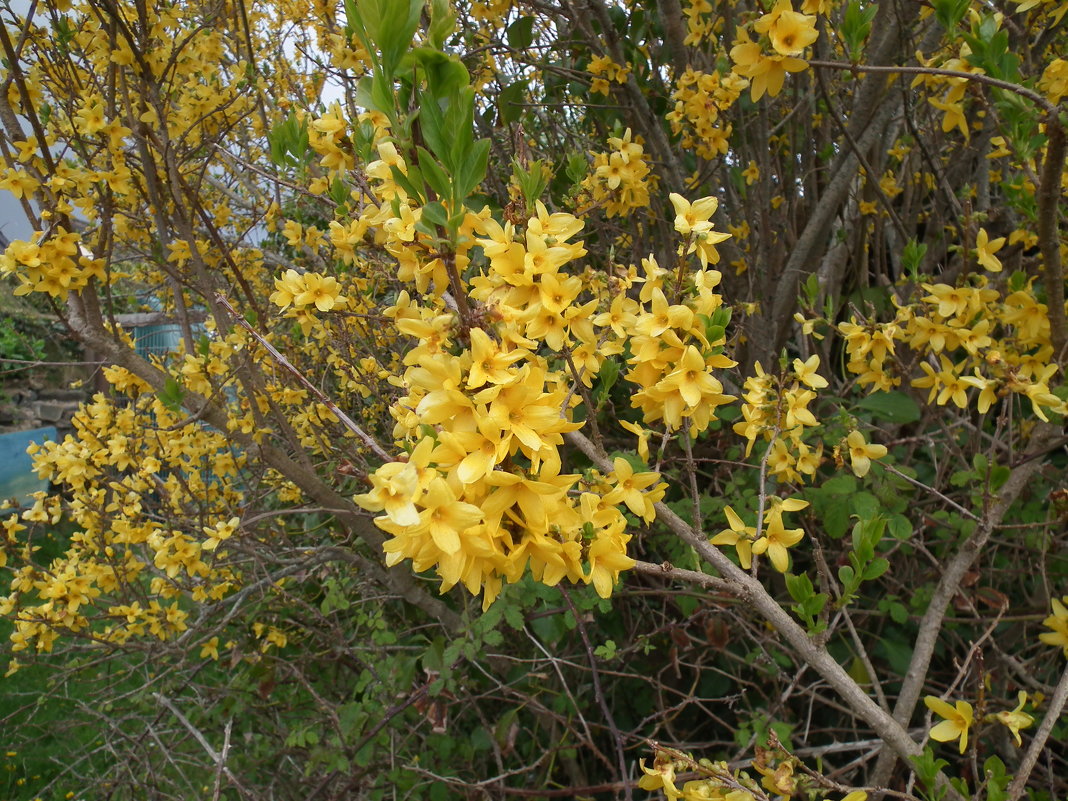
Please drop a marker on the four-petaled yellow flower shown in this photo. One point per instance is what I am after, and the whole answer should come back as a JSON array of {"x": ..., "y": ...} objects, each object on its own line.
[
  {"x": 766, "y": 73},
  {"x": 693, "y": 217},
  {"x": 739, "y": 535},
  {"x": 661, "y": 776},
  {"x": 777, "y": 538},
  {"x": 1058, "y": 621},
  {"x": 1015, "y": 719},
  {"x": 861, "y": 453},
  {"x": 958, "y": 719},
  {"x": 790, "y": 32},
  {"x": 985, "y": 248}
]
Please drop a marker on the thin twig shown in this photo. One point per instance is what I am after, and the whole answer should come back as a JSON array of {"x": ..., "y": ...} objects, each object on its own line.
[
  {"x": 347, "y": 421},
  {"x": 598, "y": 693},
  {"x": 215, "y": 757},
  {"x": 1023, "y": 91}
]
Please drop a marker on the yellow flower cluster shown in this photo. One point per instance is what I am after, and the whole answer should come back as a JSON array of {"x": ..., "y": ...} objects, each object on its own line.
[
  {"x": 700, "y": 99},
  {"x": 700, "y": 24},
  {"x": 606, "y": 72},
  {"x": 56, "y": 266},
  {"x": 621, "y": 179},
  {"x": 958, "y": 719},
  {"x": 1054, "y": 80},
  {"x": 1057, "y": 622},
  {"x": 951, "y": 103},
  {"x": 776, "y": 408},
  {"x": 788, "y": 32},
  {"x": 672, "y": 356},
  {"x": 481, "y": 496},
  {"x": 111, "y": 464},
  {"x": 969, "y": 337},
  {"x": 305, "y": 290},
  {"x": 774, "y": 538}
]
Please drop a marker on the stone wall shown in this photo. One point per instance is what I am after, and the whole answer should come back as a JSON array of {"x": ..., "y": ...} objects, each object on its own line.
[{"x": 26, "y": 406}]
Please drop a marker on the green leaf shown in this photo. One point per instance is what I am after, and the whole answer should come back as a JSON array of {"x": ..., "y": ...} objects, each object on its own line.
[
  {"x": 435, "y": 214},
  {"x": 434, "y": 174},
  {"x": 799, "y": 587},
  {"x": 472, "y": 174},
  {"x": 836, "y": 520},
  {"x": 606, "y": 379},
  {"x": 912, "y": 256},
  {"x": 900, "y": 527},
  {"x": 607, "y": 651},
  {"x": 445, "y": 73},
  {"x": 577, "y": 167},
  {"x": 840, "y": 485},
  {"x": 864, "y": 505},
  {"x": 876, "y": 568},
  {"x": 171, "y": 395},
  {"x": 898, "y": 612},
  {"x": 520, "y": 34},
  {"x": 442, "y": 22},
  {"x": 509, "y": 102},
  {"x": 950, "y": 12},
  {"x": 856, "y": 25},
  {"x": 409, "y": 182},
  {"x": 400, "y": 20},
  {"x": 892, "y": 407},
  {"x": 339, "y": 193},
  {"x": 847, "y": 575}
]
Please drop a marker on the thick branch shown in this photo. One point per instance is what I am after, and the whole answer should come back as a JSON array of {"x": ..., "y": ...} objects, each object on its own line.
[
  {"x": 1048, "y": 236},
  {"x": 1053, "y": 714},
  {"x": 948, "y": 586}
]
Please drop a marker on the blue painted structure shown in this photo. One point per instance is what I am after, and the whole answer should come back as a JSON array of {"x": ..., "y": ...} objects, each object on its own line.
[{"x": 17, "y": 479}]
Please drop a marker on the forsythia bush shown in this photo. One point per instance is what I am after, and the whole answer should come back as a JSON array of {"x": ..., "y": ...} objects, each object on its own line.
[{"x": 716, "y": 350}]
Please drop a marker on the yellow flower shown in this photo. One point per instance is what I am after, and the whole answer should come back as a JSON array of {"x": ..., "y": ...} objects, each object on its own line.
[
  {"x": 766, "y": 73},
  {"x": 739, "y": 535},
  {"x": 395, "y": 490},
  {"x": 792, "y": 32},
  {"x": 321, "y": 290},
  {"x": 861, "y": 453},
  {"x": 220, "y": 533},
  {"x": 643, "y": 438},
  {"x": 210, "y": 648},
  {"x": 985, "y": 248},
  {"x": 444, "y": 517},
  {"x": 628, "y": 489},
  {"x": 953, "y": 116},
  {"x": 751, "y": 174},
  {"x": 693, "y": 217},
  {"x": 806, "y": 372},
  {"x": 660, "y": 777},
  {"x": 957, "y": 721},
  {"x": 1015, "y": 719},
  {"x": 1058, "y": 621},
  {"x": 776, "y": 537}
]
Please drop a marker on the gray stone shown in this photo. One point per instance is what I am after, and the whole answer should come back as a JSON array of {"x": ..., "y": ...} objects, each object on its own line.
[{"x": 53, "y": 411}]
